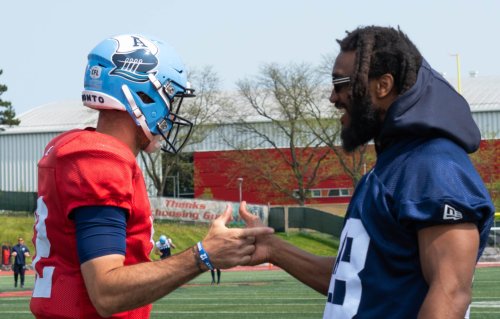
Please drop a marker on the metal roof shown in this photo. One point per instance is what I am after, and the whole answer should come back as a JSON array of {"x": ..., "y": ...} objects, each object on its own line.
[
  {"x": 21, "y": 146},
  {"x": 54, "y": 117},
  {"x": 482, "y": 93}
]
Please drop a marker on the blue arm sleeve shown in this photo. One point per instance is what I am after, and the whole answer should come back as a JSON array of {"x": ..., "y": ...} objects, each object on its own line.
[{"x": 100, "y": 231}]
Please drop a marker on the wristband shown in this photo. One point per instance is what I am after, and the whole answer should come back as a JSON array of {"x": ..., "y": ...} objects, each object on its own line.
[
  {"x": 204, "y": 256},
  {"x": 197, "y": 259}
]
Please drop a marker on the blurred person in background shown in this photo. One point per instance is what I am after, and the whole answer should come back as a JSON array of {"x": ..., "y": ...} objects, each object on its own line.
[
  {"x": 212, "y": 272},
  {"x": 163, "y": 247},
  {"x": 19, "y": 252},
  {"x": 6, "y": 263}
]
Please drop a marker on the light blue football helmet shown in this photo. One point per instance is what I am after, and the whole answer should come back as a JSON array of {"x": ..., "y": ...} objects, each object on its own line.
[
  {"x": 163, "y": 239},
  {"x": 146, "y": 78}
]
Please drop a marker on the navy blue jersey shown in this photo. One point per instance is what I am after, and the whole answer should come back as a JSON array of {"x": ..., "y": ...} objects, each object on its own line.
[
  {"x": 20, "y": 258},
  {"x": 414, "y": 185},
  {"x": 423, "y": 177}
]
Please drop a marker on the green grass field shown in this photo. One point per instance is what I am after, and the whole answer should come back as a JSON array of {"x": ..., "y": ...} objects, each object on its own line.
[
  {"x": 183, "y": 235},
  {"x": 242, "y": 295},
  {"x": 255, "y": 294}
]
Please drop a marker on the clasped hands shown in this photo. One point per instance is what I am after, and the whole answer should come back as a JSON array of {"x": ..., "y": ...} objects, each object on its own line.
[{"x": 230, "y": 247}]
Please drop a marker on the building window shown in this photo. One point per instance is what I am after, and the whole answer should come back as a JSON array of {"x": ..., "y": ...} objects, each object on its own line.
[
  {"x": 334, "y": 192},
  {"x": 339, "y": 192},
  {"x": 325, "y": 192},
  {"x": 315, "y": 193}
]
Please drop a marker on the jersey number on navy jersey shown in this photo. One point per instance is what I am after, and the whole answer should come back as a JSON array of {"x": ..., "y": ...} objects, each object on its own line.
[{"x": 344, "y": 293}]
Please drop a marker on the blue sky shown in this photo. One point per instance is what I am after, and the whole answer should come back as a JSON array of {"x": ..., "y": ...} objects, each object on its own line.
[{"x": 45, "y": 43}]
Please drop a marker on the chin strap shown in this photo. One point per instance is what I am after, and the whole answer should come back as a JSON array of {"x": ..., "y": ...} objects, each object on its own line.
[
  {"x": 140, "y": 119},
  {"x": 168, "y": 127}
]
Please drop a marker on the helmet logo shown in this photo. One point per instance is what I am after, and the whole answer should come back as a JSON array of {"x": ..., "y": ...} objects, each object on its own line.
[
  {"x": 95, "y": 72},
  {"x": 134, "y": 58}
]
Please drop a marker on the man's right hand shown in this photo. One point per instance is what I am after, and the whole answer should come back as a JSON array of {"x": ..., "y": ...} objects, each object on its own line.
[
  {"x": 229, "y": 247},
  {"x": 263, "y": 243}
]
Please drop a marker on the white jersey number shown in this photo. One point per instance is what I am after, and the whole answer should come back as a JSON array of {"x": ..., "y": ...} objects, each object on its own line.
[
  {"x": 43, "y": 281},
  {"x": 344, "y": 293}
]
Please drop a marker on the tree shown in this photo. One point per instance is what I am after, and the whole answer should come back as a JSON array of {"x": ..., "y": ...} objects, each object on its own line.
[
  {"x": 200, "y": 110},
  {"x": 486, "y": 162},
  {"x": 8, "y": 115},
  {"x": 270, "y": 116}
]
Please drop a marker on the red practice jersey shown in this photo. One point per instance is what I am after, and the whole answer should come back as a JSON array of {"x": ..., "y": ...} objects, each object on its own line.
[{"x": 83, "y": 168}]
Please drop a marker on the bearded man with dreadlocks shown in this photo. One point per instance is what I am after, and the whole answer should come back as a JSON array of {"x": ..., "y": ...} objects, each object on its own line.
[{"x": 418, "y": 221}]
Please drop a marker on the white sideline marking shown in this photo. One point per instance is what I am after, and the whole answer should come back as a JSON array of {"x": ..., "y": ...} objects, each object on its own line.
[
  {"x": 232, "y": 312},
  {"x": 239, "y": 298},
  {"x": 486, "y": 304}
]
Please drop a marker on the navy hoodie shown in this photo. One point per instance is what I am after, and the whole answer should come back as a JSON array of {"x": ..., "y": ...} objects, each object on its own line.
[
  {"x": 423, "y": 177},
  {"x": 430, "y": 108}
]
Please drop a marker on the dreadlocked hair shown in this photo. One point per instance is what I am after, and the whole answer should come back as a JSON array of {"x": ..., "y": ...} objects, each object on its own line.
[{"x": 381, "y": 50}]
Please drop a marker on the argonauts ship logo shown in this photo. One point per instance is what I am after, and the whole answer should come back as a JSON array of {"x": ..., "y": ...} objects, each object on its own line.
[{"x": 134, "y": 58}]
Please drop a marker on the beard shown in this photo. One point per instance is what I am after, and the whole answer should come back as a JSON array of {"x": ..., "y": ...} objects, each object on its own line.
[{"x": 365, "y": 124}]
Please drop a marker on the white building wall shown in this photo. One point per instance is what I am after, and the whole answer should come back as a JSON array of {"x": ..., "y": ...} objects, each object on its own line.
[
  {"x": 489, "y": 124},
  {"x": 21, "y": 147},
  {"x": 19, "y": 156}
]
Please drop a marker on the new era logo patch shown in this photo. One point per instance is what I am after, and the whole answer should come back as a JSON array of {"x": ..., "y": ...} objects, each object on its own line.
[{"x": 451, "y": 213}]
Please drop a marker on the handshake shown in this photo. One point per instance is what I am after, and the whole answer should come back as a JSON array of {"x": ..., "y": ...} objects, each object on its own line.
[{"x": 225, "y": 247}]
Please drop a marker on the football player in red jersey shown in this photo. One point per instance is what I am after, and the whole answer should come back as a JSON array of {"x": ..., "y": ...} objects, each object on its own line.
[{"x": 93, "y": 231}]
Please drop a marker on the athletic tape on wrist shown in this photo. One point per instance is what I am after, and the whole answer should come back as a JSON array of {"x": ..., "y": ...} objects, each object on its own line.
[{"x": 204, "y": 256}]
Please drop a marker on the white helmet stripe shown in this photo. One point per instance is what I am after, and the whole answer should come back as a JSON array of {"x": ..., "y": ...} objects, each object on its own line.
[{"x": 99, "y": 101}]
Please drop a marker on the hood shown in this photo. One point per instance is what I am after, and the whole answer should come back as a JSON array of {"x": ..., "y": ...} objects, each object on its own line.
[{"x": 430, "y": 108}]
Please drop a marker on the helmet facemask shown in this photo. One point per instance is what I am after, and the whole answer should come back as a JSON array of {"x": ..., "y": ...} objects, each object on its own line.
[{"x": 174, "y": 128}]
